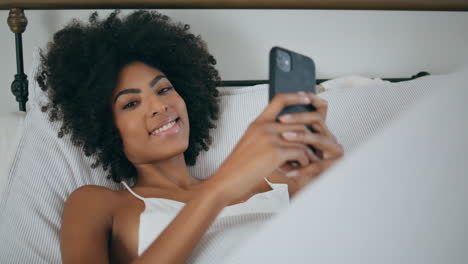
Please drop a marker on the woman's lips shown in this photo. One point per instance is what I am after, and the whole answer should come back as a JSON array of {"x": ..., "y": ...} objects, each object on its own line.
[{"x": 173, "y": 130}]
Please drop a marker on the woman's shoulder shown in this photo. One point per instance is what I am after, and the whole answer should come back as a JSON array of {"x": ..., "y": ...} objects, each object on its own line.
[
  {"x": 87, "y": 222},
  {"x": 92, "y": 192},
  {"x": 90, "y": 199}
]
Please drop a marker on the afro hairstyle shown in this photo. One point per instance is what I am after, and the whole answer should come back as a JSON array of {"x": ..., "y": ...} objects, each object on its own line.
[{"x": 79, "y": 69}]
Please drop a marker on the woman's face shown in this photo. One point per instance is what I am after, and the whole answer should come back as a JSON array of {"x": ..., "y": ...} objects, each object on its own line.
[{"x": 150, "y": 115}]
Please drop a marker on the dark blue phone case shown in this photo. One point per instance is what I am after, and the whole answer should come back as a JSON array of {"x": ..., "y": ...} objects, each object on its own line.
[{"x": 300, "y": 77}]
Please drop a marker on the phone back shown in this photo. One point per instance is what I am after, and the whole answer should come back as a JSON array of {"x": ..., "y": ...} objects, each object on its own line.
[{"x": 291, "y": 72}]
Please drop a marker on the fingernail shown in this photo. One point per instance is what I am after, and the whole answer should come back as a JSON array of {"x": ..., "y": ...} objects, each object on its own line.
[
  {"x": 286, "y": 118},
  {"x": 289, "y": 135},
  {"x": 292, "y": 173},
  {"x": 304, "y": 98}
]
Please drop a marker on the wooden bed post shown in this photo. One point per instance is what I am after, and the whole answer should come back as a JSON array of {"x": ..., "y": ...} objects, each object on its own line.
[{"x": 18, "y": 22}]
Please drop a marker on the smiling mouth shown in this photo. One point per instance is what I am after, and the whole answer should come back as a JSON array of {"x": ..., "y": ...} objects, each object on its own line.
[{"x": 172, "y": 127}]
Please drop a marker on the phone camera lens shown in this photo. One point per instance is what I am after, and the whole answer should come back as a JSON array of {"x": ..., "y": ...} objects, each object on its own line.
[{"x": 283, "y": 61}]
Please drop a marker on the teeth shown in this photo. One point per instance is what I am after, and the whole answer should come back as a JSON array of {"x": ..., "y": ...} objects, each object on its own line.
[{"x": 164, "y": 128}]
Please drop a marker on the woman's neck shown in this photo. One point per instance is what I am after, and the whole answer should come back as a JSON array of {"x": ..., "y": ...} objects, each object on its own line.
[{"x": 167, "y": 174}]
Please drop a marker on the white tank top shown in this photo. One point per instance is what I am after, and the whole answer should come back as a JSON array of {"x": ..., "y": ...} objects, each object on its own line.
[{"x": 233, "y": 226}]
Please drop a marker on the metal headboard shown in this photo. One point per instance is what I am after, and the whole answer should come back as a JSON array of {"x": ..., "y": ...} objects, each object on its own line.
[{"x": 17, "y": 20}]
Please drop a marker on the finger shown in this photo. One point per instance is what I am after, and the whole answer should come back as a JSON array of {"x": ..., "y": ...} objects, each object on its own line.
[
  {"x": 284, "y": 142},
  {"x": 319, "y": 103},
  {"x": 305, "y": 175},
  {"x": 312, "y": 118},
  {"x": 295, "y": 154},
  {"x": 285, "y": 168},
  {"x": 326, "y": 132},
  {"x": 327, "y": 145},
  {"x": 289, "y": 144},
  {"x": 279, "y": 102},
  {"x": 279, "y": 127},
  {"x": 323, "y": 129}
]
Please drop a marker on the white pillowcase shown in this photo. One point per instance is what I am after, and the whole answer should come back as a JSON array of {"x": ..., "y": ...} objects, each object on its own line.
[
  {"x": 47, "y": 169},
  {"x": 10, "y": 135},
  {"x": 353, "y": 116}
]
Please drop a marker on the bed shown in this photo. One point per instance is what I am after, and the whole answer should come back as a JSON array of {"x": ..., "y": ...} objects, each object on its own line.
[{"x": 31, "y": 207}]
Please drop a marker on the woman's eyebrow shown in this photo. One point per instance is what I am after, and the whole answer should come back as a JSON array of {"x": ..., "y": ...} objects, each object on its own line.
[
  {"x": 131, "y": 90},
  {"x": 135, "y": 90},
  {"x": 156, "y": 80}
]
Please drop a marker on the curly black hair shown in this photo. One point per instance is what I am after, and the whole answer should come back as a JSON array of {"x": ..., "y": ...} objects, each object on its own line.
[{"x": 79, "y": 69}]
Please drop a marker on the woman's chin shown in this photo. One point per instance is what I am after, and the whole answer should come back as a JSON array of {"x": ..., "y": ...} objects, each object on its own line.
[{"x": 177, "y": 141}]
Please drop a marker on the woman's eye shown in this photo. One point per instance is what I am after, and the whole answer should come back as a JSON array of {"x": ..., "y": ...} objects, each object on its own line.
[
  {"x": 130, "y": 105},
  {"x": 167, "y": 89}
]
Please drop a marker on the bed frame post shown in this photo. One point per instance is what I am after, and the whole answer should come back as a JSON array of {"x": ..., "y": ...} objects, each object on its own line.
[{"x": 18, "y": 22}]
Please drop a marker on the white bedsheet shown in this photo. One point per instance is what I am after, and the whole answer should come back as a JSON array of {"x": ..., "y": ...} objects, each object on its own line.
[{"x": 400, "y": 198}]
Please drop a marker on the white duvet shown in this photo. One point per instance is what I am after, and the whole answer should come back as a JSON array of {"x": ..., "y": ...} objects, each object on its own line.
[{"x": 400, "y": 198}]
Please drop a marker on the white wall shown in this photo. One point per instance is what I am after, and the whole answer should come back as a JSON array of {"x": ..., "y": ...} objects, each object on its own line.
[{"x": 371, "y": 43}]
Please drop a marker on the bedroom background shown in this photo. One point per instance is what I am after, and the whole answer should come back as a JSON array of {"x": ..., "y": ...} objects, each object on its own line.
[{"x": 387, "y": 44}]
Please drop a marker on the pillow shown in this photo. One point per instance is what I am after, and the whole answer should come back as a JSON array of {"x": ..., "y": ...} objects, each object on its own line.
[
  {"x": 353, "y": 116},
  {"x": 47, "y": 169},
  {"x": 10, "y": 134},
  {"x": 350, "y": 81},
  {"x": 44, "y": 172},
  {"x": 356, "y": 114}
]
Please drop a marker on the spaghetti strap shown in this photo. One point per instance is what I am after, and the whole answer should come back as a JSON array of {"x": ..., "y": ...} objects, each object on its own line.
[
  {"x": 272, "y": 185},
  {"x": 132, "y": 192}
]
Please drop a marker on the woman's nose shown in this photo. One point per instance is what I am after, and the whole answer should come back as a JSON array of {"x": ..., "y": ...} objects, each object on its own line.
[{"x": 161, "y": 108}]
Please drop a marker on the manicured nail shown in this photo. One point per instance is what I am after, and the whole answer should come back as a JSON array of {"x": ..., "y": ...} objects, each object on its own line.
[
  {"x": 289, "y": 135},
  {"x": 305, "y": 98},
  {"x": 292, "y": 173},
  {"x": 286, "y": 118}
]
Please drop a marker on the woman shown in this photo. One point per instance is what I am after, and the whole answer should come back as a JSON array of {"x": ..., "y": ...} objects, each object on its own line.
[{"x": 139, "y": 94}]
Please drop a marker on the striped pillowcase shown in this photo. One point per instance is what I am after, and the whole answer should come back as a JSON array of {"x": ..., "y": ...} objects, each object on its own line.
[{"x": 353, "y": 116}]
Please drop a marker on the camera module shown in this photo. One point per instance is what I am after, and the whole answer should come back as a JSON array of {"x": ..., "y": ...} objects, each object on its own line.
[{"x": 283, "y": 61}]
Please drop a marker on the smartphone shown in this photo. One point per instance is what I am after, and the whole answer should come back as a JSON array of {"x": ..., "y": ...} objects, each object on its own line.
[{"x": 291, "y": 72}]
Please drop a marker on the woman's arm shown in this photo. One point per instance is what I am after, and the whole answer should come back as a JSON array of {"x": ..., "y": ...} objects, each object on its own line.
[{"x": 87, "y": 225}]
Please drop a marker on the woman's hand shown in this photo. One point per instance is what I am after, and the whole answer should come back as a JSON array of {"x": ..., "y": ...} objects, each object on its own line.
[
  {"x": 261, "y": 150},
  {"x": 328, "y": 149}
]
